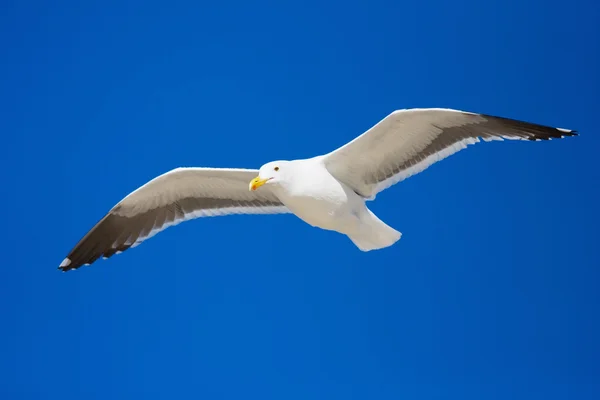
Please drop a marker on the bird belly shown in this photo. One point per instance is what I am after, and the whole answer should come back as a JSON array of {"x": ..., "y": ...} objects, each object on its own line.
[
  {"x": 316, "y": 212},
  {"x": 334, "y": 208}
]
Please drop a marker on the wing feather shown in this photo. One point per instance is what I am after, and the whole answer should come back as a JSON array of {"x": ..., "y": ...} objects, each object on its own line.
[{"x": 407, "y": 142}]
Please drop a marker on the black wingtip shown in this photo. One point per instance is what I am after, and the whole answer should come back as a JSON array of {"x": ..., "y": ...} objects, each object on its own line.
[
  {"x": 67, "y": 265},
  {"x": 568, "y": 132},
  {"x": 553, "y": 133}
]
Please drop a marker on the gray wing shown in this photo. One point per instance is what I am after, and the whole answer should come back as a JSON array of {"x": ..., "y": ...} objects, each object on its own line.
[
  {"x": 406, "y": 142},
  {"x": 179, "y": 195}
]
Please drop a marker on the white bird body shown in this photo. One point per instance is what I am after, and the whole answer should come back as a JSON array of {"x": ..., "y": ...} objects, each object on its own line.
[
  {"x": 323, "y": 201},
  {"x": 328, "y": 191}
]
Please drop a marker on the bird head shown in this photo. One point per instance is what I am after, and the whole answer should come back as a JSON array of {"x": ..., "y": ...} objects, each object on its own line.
[{"x": 270, "y": 173}]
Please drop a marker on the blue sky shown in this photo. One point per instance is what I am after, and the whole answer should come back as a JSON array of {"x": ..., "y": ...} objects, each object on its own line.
[{"x": 492, "y": 292}]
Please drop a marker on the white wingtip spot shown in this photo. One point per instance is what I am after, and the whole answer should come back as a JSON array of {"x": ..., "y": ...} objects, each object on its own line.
[
  {"x": 66, "y": 262},
  {"x": 564, "y": 130}
]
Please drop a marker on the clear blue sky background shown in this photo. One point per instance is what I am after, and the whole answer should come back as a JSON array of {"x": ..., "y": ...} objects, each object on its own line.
[{"x": 492, "y": 293}]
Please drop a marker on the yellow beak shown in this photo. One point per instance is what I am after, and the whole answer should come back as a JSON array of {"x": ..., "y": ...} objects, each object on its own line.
[{"x": 256, "y": 183}]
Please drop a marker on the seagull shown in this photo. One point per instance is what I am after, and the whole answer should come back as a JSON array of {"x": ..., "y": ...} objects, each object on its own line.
[{"x": 328, "y": 191}]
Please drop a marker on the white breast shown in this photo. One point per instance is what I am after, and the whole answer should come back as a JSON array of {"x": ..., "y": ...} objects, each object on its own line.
[{"x": 319, "y": 199}]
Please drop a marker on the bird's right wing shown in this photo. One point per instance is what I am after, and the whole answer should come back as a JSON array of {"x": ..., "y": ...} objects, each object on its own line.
[
  {"x": 408, "y": 141},
  {"x": 176, "y": 196}
]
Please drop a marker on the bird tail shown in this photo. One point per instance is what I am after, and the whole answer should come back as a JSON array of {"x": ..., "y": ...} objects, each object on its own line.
[{"x": 374, "y": 233}]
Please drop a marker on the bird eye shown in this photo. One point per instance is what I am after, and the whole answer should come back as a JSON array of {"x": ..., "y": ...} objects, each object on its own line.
[{"x": 276, "y": 168}]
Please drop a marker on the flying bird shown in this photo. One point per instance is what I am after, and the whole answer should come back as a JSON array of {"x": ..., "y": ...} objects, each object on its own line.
[{"x": 328, "y": 191}]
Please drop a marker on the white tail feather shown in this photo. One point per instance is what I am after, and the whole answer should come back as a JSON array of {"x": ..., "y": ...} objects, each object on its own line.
[{"x": 375, "y": 234}]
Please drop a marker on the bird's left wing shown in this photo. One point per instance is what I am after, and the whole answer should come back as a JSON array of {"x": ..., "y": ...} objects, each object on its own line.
[
  {"x": 176, "y": 196},
  {"x": 408, "y": 141}
]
